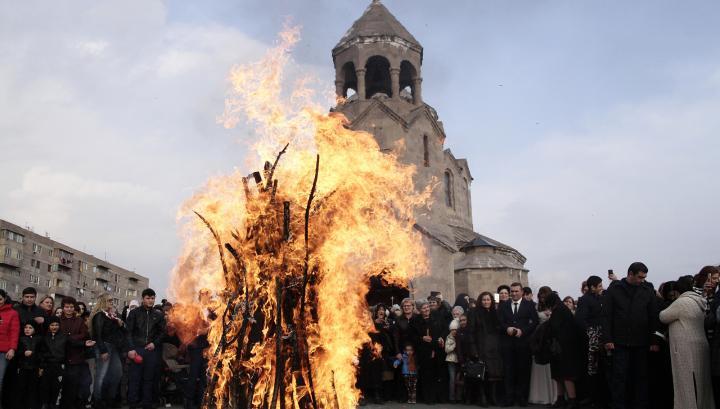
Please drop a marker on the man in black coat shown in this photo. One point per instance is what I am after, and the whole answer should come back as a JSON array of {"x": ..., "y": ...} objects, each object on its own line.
[
  {"x": 518, "y": 319},
  {"x": 630, "y": 318},
  {"x": 146, "y": 327},
  {"x": 28, "y": 311}
]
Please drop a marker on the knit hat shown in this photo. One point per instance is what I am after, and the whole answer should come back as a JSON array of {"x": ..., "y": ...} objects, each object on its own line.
[
  {"x": 49, "y": 320},
  {"x": 134, "y": 303},
  {"x": 454, "y": 324}
]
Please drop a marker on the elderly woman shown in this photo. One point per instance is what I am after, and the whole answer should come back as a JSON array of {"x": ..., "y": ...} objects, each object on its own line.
[{"x": 689, "y": 349}]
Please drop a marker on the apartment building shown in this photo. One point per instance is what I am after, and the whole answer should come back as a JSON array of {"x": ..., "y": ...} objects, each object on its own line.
[{"x": 28, "y": 259}]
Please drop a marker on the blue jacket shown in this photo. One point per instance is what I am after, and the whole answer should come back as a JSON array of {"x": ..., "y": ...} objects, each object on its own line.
[{"x": 405, "y": 365}]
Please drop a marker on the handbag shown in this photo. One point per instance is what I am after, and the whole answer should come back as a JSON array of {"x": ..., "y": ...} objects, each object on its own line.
[{"x": 475, "y": 369}]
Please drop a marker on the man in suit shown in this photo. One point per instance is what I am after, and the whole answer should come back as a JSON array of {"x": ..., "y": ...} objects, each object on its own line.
[{"x": 518, "y": 319}]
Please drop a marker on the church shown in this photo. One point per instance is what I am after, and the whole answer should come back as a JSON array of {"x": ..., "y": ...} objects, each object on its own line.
[{"x": 378, "y": 77}]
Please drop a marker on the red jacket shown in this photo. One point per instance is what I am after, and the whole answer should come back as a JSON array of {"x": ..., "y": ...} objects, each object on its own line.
[{"x": 9, "y": 328}]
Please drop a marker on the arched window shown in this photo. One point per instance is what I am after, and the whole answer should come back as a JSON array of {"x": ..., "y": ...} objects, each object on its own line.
[
  {"x": 349, "y": 79},
  {"x": 408, "y": 73},
  {"x": 426, "y": 151},
  {"x": 377, "y": 77},
  {"x": 449, "y": 190}
]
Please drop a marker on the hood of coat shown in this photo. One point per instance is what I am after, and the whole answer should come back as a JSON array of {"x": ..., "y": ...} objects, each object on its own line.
[{"x": 700, "y": 300}]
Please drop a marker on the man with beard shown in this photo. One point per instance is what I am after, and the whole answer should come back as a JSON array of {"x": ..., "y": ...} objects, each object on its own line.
[{"x": 429, "y": 344}]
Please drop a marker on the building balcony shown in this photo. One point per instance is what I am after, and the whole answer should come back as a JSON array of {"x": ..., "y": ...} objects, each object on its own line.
[{"x": 10, "y": 261}]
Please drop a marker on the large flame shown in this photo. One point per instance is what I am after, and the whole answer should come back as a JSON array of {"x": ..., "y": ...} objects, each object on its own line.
[{"x": 360, "y": 224}]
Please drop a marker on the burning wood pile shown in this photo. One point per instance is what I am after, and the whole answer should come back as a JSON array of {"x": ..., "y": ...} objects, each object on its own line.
[{"x": 289, "y": 250}]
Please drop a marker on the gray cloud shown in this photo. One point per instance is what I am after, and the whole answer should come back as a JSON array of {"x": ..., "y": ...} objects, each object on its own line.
[{"x": 598, "y": 149}]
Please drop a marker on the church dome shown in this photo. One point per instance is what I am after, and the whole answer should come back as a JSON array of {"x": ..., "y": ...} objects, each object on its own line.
[{"x": 377, "y": 21}]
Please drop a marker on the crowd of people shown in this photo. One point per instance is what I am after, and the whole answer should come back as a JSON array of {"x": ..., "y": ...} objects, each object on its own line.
[
  {"x": 73, "y": 358},
  {"x": 628, "y": 346}
]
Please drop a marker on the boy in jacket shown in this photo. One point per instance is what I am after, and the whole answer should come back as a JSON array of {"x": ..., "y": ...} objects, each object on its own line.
[
  {"x": 29, "y": 367},
  {"x": 77, "y": 379},
  {"x": 52, "y": 360},
  {"x": 145, "y": 326}
]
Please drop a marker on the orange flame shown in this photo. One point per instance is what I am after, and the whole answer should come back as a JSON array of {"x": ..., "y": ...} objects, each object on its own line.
[{"x": 361, "y": 224}]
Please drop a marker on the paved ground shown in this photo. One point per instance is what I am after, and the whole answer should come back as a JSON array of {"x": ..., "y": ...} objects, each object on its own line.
[{"x": 394, "y": 405}]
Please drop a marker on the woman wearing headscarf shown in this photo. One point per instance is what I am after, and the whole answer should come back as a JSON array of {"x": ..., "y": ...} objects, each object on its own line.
[{"x": 689, "y": 349}]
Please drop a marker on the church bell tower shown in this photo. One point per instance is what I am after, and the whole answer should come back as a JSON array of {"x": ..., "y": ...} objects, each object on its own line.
[{"x": 378, "y": 79}]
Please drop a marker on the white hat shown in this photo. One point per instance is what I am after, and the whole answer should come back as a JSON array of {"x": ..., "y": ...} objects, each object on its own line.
[
  {"x": 134, "y": 303},
  {"x": 454, "y": 324}
]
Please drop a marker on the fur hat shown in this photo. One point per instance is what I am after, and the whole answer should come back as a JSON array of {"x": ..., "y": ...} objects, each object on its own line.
[{"x": 454, "y": 324}]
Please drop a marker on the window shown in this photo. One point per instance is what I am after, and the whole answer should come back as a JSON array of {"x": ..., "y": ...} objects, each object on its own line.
[
  {"x": 50, "y": 252},
  {"x": 3, "y": 284},
  {"x": 37, "y": 249},
  {"x": 10, "y": 235},
  {"x": 449, "y": 189},
  {"x": 18, "y": 255},
  {"x": 47, "y": 283},
  {"x": 426, "y": 151},
  {"x": 116, "y": 278},
  {"x": 34, "y": 279},
  {"x": 8, "y": 252}
]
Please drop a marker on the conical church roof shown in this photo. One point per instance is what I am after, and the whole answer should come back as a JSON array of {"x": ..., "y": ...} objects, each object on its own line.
[{"x": 377, "y": 21}]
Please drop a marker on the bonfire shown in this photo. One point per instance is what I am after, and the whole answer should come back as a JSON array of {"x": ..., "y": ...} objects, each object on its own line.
[{"x": 290, "y": 248}]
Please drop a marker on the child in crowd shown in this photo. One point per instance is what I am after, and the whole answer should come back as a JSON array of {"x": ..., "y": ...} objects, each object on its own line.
[
  {"x": 52, "y": 363},
  {"x": 455, "y": 393},
  {"x": 409, "y": 371},
  {"x": 28, "y": 371}
]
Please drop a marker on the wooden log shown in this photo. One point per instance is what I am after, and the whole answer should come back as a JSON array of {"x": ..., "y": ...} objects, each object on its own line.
[
  {"x": 286, "y": 221},
  {"x": 279, "y": 367}
]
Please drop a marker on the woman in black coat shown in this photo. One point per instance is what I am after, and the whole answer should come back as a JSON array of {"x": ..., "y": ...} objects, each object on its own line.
[
  {"x": 487, "y": 339},
  {"x": 566, "y": 363},
  {"x": 466, "y": 351}
]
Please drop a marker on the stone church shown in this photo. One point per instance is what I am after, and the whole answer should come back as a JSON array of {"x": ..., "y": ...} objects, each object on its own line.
[{"x": 378, "y": 66}]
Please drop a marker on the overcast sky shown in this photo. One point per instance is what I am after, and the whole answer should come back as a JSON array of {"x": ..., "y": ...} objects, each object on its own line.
[{"x": 592, "y": 128}]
